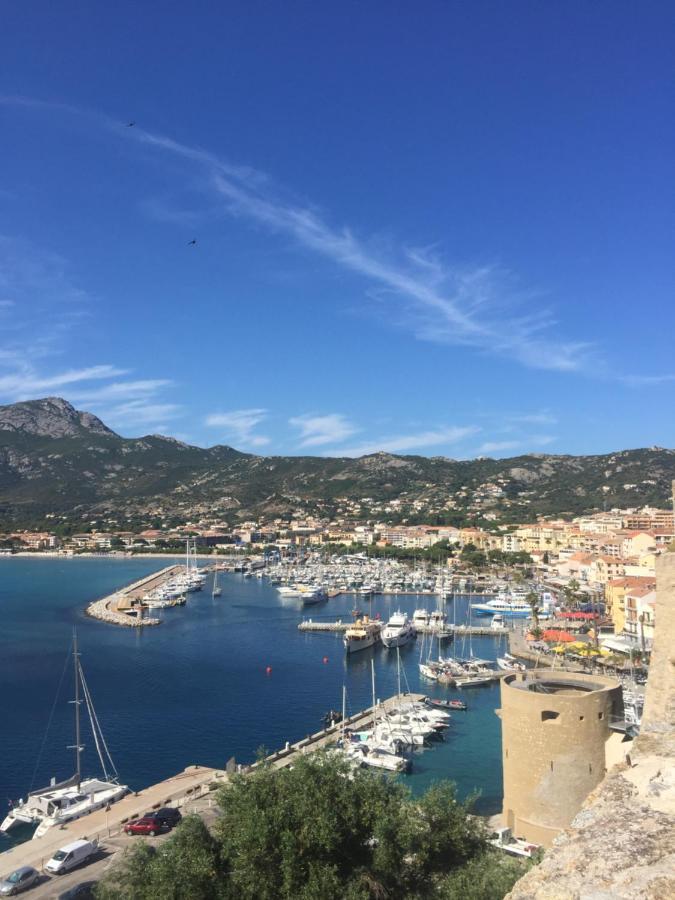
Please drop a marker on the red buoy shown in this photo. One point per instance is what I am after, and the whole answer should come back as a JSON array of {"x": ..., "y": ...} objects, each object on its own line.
[
  {"x": 268, "y": 670},
  {"x": 325, "y": 660}
]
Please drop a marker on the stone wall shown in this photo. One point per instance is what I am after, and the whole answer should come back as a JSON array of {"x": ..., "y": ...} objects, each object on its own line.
[{"x": 621, "y": 846}]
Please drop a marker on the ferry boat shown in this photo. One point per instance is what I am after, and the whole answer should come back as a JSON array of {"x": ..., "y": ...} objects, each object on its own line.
[
  {"x": 361, "y": 635},
  {"x": 512, "y": 606},
  {"x": 398, "y": 631},
  {"x": 75, "y": 797}
]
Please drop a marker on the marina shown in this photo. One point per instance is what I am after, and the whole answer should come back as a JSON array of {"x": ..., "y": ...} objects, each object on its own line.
[
  {"x": 230, "y": 672},
  {"x": 183, "y": 790}
]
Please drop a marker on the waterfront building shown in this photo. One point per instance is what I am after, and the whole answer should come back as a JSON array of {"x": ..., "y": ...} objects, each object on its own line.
[
  {"x": 556, "y": 747},
  {"x": 615, "y": 597}
]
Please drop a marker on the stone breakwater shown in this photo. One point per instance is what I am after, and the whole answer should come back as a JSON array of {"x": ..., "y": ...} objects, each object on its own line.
[
  {"x": 124, "y": 606},
  {"x": 100, "y": 609}
]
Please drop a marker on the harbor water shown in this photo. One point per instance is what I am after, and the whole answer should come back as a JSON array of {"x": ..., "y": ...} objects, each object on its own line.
[{"x": 219, "y": 678}]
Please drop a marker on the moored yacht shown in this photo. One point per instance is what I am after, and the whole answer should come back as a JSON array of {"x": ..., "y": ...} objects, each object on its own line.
[
  {"x": 420, "y": 618},
  {"x": 362, "y": 634},
  {"x": 398, "y": 631}
]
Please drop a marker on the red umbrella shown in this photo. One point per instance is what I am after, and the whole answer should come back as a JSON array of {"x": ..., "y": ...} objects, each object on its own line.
[{"x": 553, "y": 634}]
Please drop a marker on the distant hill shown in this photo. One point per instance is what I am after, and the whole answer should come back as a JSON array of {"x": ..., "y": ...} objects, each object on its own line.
[{"x": 66, "y": 465}]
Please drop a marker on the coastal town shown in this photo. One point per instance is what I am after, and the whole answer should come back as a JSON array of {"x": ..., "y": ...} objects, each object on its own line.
[{"x": 604, "y": 560}]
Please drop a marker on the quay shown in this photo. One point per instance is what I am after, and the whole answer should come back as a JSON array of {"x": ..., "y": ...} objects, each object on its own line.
[
  {"x": 447, "y": 630},
  {"x": 184, "y": 790},
  {"x": 124, "y": 608}
]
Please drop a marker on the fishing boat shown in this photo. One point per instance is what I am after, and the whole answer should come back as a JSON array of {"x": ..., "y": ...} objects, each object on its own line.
[
  {"x": 398, "y": 631},
  {"x": 62, "y": 802}
]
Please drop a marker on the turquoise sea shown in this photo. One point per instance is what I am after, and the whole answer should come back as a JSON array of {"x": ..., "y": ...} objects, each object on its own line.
[{"x": 196, "y": 688}]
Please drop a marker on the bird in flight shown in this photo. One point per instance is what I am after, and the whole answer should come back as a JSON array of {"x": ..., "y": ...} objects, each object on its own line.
[
  {"x": 130, "y": 124},
  {"x": 192, "y": 243}
]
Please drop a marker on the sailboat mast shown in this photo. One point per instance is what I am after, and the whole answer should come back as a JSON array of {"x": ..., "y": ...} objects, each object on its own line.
[
  {"x": 372, "y": 679},
  {"x": 398, "y": 670},
  {"x": 76, "y": 701}
]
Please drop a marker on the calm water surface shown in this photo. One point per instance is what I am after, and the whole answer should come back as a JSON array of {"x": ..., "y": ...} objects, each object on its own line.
[{"x": 195, "y": 688}]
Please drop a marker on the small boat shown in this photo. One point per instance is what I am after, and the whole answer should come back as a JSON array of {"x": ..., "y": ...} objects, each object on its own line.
[
  {"x": 433, "y": 703},
  {"x": 217, "y": 590},
  {"x": 430, "y": 672},
  {"x": 477, "y": 680},
  {"x": 332, "y": 717},
  {"x": 510, "y": 665}
]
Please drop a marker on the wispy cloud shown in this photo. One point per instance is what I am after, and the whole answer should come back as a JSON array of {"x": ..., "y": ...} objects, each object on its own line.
[
  {"x": 646, "y": 380},
  {"x": 316, "y": 431},
  {"x": 121, "y": 390},
  {"x": 402, "y": 443},
  {"x": 27, "y": 383},
  {"x": 540, "y": 418},
  {"x": 238, "y": 424},
  {"x": 467, "y": 305},
  {"x": 44, "y": 306},
  {"x": 498, "y": 446},
  {"x": 477, "y": 306},
  {"x": 525, "y": 444},
  {"x": 141, "y": 413}
]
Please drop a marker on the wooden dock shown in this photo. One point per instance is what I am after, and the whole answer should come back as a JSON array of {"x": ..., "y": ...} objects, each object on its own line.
[
  {"x": 123, "y": 607},
  {"x": 183, "y": 790}
]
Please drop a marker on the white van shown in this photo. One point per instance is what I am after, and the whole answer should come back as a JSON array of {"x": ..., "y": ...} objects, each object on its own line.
[{"x": 70, "y": 856}]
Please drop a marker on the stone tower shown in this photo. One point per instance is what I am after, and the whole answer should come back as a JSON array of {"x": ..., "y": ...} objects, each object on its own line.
[{"x": 555, "y": 732}]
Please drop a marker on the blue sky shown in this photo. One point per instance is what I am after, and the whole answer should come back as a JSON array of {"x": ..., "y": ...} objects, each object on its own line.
[{"x": 443, "y": 228}]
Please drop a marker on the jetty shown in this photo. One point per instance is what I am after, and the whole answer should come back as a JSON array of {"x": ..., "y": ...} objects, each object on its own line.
[
  {"x": 184, "y": 790},
  {"x": 447, "y": 630},
  {"x": 124, "y": 606}
]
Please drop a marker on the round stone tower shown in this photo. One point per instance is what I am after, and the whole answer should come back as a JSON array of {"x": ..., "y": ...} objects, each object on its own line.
[{"x": 555, "y": 726}]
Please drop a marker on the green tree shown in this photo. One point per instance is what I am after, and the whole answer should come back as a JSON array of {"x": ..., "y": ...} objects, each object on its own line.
[
  {"x": 572, "y": 593},
  {"x": 318, "y": 832},
  {"x": 186, "y": 867}
]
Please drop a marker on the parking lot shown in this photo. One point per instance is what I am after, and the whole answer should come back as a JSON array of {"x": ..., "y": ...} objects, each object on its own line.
[{"x": 52, "y": 886}]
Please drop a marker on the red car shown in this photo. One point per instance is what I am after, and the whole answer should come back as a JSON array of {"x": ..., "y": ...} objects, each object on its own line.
[{"x": 147, "y": 825}]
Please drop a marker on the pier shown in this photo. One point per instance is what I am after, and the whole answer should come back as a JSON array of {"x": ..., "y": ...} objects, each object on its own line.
[
  {"x": 124, "y": 607},
  {"x": 191, "y": 790},
  {"x": 446, "y": 631}
]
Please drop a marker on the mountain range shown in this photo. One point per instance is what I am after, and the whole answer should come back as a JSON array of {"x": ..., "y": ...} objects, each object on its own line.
[{"x": 62, "y": 466}]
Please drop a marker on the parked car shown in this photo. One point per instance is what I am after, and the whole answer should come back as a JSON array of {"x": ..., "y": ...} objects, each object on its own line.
[
  {"x": 19, "y": 880},
  {"x": 147, "y": 825},
  {"x": 82, "y": 891},
  {"x": 71, "y": 856},
  {"x": 167, "y": 815}
]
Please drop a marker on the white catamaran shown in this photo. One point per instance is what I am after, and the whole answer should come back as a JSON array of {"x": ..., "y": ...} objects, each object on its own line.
[{"x": 71, "y": 799}]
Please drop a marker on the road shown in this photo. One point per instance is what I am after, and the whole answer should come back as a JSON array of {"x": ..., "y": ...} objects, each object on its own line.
[{"x": 51, "y": 886}]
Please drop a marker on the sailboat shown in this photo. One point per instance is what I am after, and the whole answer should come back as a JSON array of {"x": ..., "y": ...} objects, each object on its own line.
[
  {"x": 75, "y": 797},
  {"x": 217, "y": 590}
]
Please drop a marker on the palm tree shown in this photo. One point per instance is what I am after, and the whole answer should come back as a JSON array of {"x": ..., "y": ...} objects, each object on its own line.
[{"x": 533, "y": 599}]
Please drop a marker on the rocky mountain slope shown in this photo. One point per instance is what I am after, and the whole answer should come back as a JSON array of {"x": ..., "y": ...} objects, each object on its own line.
[{"x": 61, "y": 465}]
